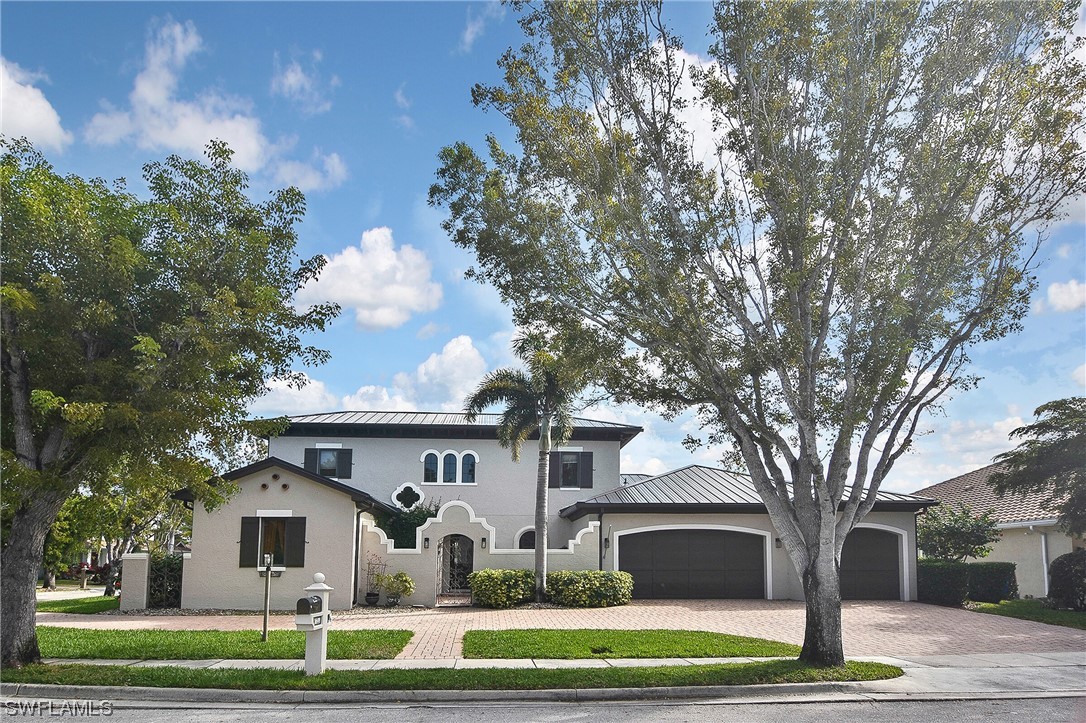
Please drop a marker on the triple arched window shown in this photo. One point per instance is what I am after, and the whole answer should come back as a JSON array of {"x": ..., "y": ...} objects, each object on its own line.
[{"x": 449, "y": 467}]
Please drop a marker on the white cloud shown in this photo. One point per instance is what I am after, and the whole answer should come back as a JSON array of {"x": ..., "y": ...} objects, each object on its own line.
[
  {"x": 282, "y": 398},
  {"x": 1064, "y": 251},
  {"x": 157, "y": 119},
  {"x": 383, "y": 284},
  {"x": 428, "y": 330},
  {"x": 321, "y": 173},
  {"x": 439, "y": 383},
  {"x": 300, "y": 82},
  {"x": 476, "y": 23},
  {"x": 405, "y": 121},
  {"x": 1079, "y": 375},
  {"x": 27, "y": 112},
  {"x": 1068, "y": 296},
  {"x": 402, "y": 101},
  {"x": 979, "y": 442}
]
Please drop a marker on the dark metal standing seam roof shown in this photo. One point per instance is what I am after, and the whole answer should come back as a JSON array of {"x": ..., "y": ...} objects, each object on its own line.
[
  {"x": 455, "y": 419},
  {"x": 702, "y": 489}
]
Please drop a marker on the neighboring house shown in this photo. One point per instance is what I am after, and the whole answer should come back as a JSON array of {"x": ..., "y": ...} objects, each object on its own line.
[
  {"x": 1031, "y": 537},
  {"x": 696, "y": 532}
]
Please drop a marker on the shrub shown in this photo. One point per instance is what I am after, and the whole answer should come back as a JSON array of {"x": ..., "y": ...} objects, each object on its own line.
[
  {"x": 1067, "y": 583},
  {"x": 396, "y": 585},
  {"x": 400, "y": 526},
  {"x": 590, "y": 588},
  {"x": 501, "y": 588},
  {"x": 992, "y": 581},
  {"x": 942, "y": 582}
]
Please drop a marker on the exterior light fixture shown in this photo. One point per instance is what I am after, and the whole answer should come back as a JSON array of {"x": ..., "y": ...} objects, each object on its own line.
[
  {"x": 483, "y": 543},
  {"x": 426, "y": 543},
  {"x": 778, "y": 543}
]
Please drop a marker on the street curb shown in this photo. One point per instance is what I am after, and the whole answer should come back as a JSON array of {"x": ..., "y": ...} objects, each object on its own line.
[{"x": 783, "y": 692}]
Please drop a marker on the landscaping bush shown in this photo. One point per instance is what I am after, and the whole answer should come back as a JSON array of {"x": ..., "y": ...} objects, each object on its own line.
[
  {"x": 590, "y": 588},
  {"x": 1067, "y": 582},
  {"x": 942, "y": 582},
  {"x": 501, "y": 588},
  {"x": 992, "y": 582}
]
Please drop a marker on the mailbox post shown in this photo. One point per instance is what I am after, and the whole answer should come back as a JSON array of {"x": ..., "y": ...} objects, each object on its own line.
[{"x": 313, "y": 616}]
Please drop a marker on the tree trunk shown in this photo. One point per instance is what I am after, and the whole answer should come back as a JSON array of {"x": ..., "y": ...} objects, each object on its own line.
[
  {"x": 822, "y": 587},
  {"x": 19, "y": 576},
  {"x": 541, "y": 481}
]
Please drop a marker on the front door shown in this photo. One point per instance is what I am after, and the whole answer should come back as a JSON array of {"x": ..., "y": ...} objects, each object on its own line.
[{"x": 456, "y": 556}]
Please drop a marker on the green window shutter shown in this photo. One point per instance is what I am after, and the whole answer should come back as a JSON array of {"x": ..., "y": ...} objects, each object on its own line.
[
  {"x": 553, "y": 479},
  {"x": 250, "y": 541},
  {"x": 295, "y": 553},
  {"x": 343, "y": 464},
  {"x": 584, "y": 470},
  {"x": 311, "y": 460}
]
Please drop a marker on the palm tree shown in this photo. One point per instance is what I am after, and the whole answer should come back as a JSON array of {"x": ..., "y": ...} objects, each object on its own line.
[{"x": 540, "y": 399}]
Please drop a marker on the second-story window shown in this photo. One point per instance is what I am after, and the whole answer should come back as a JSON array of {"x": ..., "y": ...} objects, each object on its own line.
[
  {"x": 448, "y": 469},
  {"x": 429, "y": 469},
  {"x": 329, "y": 462},
  {"x": 467, "y": 469}
]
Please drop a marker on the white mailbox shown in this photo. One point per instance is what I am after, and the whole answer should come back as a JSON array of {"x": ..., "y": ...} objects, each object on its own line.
[{"x": 314, "y": 617}]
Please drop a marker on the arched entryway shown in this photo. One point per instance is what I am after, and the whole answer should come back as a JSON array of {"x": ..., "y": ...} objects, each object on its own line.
[
  {"x": 456, "y": 556},
  {"x": 870, "y": 565}
]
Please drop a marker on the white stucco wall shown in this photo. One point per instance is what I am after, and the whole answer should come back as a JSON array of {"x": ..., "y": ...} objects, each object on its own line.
[
  {"x": 504, "y": 492},
  {"x": 1023, "y": 546},
  {"x": 212, "y": 577}
]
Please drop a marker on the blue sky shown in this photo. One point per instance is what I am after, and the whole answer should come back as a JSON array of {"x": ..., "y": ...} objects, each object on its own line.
[{"x": 352, "y": 102}]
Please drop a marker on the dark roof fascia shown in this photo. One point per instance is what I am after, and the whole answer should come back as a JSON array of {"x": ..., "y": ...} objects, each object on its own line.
[
  {"x": 446, "y": 431},
  {"x": 361, "y": 499},
  {"x": 580, "y": 509}
]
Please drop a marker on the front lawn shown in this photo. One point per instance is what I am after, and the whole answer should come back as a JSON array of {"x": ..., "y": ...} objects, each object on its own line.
[
  {"x": 80, "y": 605},
  {"x": 1033, "y": 610},
  {"x": 772, "y": 671},
  {"x": 570, "y": 644},
  {"x": 57, "y": 642}
]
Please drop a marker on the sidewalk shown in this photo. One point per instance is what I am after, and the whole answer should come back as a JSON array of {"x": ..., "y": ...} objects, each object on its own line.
[{"x": 927, "y": 677}]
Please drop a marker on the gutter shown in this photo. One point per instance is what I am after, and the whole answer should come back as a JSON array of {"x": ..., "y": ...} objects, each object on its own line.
[{"x": 1027, "y": 524}]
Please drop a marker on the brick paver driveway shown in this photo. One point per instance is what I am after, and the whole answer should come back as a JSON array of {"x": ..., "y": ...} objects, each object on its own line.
[{"x": 870, "y": 628}]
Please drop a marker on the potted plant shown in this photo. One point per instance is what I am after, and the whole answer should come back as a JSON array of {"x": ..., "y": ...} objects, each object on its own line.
[
  {"x": 372, "y": 597},
  {"x": 395, "y": 586}
]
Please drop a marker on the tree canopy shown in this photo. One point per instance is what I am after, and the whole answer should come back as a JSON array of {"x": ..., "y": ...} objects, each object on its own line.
[
  {"x": 135, "y": 333},
  {"x": 947, "y": 533},
  {"x": 800, "y": 236},
  {"x": 1051, "y": 460}
]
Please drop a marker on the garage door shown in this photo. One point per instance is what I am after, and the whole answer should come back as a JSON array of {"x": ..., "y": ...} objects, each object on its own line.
[
  {"x": 870, "y": 566},
  {"x": 694, "y": 564}
]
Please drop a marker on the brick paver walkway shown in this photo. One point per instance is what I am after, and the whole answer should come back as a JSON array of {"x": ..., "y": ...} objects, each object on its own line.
[{"x": 870, "y": 628}]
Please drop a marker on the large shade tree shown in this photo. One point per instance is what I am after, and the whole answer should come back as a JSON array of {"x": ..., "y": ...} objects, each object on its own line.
[
  {"x": 134, "y": 331},
  {"x": 800, "y": 237},
  {"x": 537, "y": 400}
]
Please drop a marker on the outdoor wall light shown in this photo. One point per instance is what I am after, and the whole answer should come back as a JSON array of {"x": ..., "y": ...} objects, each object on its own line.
[
  {"x": 778, "y": 543},
  {"x": 426, "y": 543},
  {"x": 483, "y": 543}
]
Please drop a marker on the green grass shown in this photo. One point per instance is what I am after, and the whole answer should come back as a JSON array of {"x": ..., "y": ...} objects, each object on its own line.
[
  {"x": 571, "y": 644},
  {"x": 1033, "y": 610},
  {"x": 774, "y": 671},
  {"x": 57, "y": 642},
  {"x": 82, "y": 605}
]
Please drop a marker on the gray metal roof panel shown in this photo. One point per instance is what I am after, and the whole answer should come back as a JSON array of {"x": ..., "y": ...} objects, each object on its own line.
[{"x": 433, "y": 419}]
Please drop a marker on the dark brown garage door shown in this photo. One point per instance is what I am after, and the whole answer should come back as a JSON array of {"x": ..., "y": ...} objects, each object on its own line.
[
  {"x": 694, "y": 564},
  {"x": 870, "y": 566}
]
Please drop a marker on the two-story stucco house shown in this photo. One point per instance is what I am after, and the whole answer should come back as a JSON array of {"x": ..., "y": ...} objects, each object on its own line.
[{"x": 696, "y": 532}]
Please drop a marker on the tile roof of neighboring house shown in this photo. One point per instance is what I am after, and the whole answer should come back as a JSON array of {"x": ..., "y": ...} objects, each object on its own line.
[
  {"x": 435, "y": 425},
  {"x": 703, "y": 489},
  {"x": 972, "y": 489}
]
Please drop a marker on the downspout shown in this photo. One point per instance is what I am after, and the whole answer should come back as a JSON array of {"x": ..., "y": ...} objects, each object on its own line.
[
  {"x": 1044, "y": 559},
  {"x": 599, "y": 518},
  {"x": 357, "y": 554}
]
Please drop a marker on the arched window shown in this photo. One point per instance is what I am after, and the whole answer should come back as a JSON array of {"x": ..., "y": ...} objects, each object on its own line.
[
  {"x": 448, "y": 469},
  {"x": 429, "y": 469},
  {"x": 467, "y": 469},
  {"x": 527, "y": 540}
]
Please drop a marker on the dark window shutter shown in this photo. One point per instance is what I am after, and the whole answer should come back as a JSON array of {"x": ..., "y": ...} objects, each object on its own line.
[
  {"x": 311, "y": 460},
  {"x": 584, "y": 465},
  {"x": 343, "y": 464},
  {"x": 554, "y": 470},
  {"x": 250, "y": 541},
  {"x": 295, "y": 554}
]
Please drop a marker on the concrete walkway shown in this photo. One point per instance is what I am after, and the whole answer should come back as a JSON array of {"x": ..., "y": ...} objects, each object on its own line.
[{"x": 871, "y": 628}]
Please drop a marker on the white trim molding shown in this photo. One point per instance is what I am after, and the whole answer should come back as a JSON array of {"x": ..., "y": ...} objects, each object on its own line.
[
  {"x": 767, "y": 546},
  {"x": 396, "y": 493},
  {"x": 521, "y": 531},
  {"x": 459, "y": 467},
  {"x": 903, "y": 547},
  {"x": 329, "y": 445},
  {"x": 275, "y": 513}
]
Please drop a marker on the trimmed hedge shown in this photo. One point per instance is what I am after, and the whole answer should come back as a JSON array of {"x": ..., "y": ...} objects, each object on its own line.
[
  {"x": 992, "y": 582},
  {"x": 1067, "y": 582},
  {"x": 590, "y": 588},
  {"x": 501, "y": 588},
  {"x": 942, "y": 582}
]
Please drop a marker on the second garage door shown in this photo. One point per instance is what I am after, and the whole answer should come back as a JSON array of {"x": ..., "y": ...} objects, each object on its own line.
[
  {"x": 869, "y": 566},
  {"x": 694, "y": 564}
]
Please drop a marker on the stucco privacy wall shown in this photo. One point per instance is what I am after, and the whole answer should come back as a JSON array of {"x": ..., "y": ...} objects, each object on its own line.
[
  {"x": 785, "y": 581},
  {"x": 137, "y": 577},
  {"x": 212, "y": 577},
  {"x": 458, "y": 518},
  {"x": 505, "y": 489},
  {"x": 1022, "y": 546}
]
